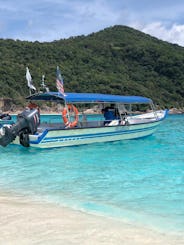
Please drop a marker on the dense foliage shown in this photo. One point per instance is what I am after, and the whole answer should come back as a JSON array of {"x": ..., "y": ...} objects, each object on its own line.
[{"x": 117, "y": 60}]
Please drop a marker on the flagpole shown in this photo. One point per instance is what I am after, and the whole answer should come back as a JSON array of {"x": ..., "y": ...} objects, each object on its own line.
[{"x": 60, "y": 87}]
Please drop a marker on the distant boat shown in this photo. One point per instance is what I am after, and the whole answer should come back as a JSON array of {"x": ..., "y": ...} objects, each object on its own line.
[{"x": 121, "y": 123}]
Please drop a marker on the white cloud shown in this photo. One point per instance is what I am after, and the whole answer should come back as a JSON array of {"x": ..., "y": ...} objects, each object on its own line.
[
  {"x": 173, "y": 34},
  {"x": 48, "y": 20},
  {"x": 71, "y": 18}
]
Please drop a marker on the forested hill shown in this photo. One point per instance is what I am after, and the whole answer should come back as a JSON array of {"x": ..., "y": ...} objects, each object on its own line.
[{"x": 116, "y": 60}]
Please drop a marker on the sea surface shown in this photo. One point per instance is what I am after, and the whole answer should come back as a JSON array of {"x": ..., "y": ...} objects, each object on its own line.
[{"x": 138, "y": 181}]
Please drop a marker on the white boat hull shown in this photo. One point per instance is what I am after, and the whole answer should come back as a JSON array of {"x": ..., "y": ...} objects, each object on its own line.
[{"x": 80, "y": 136}]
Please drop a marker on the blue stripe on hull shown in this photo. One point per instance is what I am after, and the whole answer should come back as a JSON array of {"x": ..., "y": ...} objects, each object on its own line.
[
  {"x": 94, "y": 137},
  {"x": 86, "y": 136}
]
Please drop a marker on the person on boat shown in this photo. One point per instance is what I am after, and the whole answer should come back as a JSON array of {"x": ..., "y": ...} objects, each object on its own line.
[
  {"x": 32, "y": 106},
  {"x": 109, "y": 115}
]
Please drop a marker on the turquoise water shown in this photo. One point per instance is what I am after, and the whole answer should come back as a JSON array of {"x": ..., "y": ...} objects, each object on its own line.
[{"x": 139, "y": 181}]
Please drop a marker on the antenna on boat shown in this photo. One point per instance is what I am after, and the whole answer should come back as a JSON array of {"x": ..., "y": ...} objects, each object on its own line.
[{"x": 43, "y": 85}]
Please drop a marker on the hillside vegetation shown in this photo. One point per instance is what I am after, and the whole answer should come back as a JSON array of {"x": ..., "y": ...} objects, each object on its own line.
[{"x": 116, "y": 60}]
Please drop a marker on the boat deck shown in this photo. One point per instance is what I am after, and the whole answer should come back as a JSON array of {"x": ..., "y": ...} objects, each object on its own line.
[{"x": 89, "y": 124}]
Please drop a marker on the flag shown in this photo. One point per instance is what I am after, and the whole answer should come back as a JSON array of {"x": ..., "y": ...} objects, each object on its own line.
[
  {"x": 29, "y": 79},
  {"x": 59, "y": 81}
]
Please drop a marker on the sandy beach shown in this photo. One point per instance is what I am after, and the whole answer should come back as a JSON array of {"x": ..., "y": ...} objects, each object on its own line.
[{"x": 24, "y": 221}]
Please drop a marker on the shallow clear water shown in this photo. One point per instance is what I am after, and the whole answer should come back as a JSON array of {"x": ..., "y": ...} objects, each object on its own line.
[{"x": 140, "y": 181}]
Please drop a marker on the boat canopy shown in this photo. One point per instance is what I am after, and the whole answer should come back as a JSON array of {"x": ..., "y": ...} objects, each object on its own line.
[{"x": 89, "y": 98}]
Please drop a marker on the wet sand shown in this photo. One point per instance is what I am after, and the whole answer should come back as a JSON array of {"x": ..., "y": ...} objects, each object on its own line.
[{"x": 24, "y": 221}]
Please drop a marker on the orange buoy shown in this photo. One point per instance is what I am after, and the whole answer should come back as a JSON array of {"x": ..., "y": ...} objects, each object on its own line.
[{"x": 67, "y": 123}]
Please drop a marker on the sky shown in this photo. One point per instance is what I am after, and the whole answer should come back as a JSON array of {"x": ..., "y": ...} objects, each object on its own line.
[{"x": 49, "y": 20}]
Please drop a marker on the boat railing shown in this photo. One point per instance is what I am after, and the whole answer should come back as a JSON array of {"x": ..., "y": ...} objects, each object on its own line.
[
  {"x": 80, "y": 124},
  {"x": 88, "y": 124},
  {"x": 48, "y": 126},
  {"x": 99, "y": 122}
]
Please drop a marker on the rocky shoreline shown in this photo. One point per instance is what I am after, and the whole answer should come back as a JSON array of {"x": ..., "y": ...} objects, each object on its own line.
[
  {"x": 176, "y": 111},
  {"x": 49, "y": 110}
]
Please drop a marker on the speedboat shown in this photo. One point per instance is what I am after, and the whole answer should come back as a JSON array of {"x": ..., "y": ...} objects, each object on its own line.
[{"x": 115, "y": 118}]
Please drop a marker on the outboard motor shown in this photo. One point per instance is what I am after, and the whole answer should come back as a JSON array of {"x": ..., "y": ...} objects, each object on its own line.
[{"x": 27, "y": 123}]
